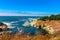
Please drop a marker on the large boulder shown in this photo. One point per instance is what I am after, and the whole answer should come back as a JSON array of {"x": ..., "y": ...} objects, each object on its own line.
[{"x": 3, "y": 26}]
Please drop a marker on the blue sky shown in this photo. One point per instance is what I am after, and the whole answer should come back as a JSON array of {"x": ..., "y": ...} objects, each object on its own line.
[{"x": 32, "y": 7}]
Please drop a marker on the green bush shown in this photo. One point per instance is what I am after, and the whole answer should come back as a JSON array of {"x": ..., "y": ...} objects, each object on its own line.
[{"x": 52, "y": 17}]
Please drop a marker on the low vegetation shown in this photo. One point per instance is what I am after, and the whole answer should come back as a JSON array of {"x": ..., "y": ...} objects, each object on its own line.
[{"x": 52, "y": 17}]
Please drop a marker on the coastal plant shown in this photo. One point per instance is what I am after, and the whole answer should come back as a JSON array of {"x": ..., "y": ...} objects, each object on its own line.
[{"x": 51, "y": 17}]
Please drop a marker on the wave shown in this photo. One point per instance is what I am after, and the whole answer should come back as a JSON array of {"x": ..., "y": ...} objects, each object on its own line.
[
  {"x": 14, "y": 21},
  {"x": 8, "y": 24},
  {"x": 26, "y": 24}
]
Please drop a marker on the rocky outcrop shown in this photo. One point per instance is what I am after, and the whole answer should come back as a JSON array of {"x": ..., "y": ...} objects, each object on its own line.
[
  {"x": 52, "y": 26},
  {"x": 3, "y": 26}
]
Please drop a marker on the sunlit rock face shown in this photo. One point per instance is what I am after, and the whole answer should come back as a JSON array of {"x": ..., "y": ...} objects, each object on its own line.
[
  {"x": 33, "y": 22},
  {"x": 52, "y": 26},
  {"x": 3, "y": 26},
  {"x": 49, "y": 29}
]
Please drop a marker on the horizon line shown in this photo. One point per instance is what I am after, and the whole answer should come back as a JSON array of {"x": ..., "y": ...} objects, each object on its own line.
[{"x": 25, "y": 13}]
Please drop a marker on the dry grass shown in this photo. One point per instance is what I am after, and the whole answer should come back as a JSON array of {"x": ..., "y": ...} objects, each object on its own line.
[{"x": 8, "y": 36}]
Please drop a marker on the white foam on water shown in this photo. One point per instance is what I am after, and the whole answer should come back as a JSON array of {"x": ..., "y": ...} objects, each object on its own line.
[
  {"x": 8, "y": 24},
  {"x": 14, "y": 21},
  {"x": 26, "y": 24},
  {"x": 20, "y": 29}
]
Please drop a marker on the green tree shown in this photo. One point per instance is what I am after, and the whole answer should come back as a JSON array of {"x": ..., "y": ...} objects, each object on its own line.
[
  {"x": 52, "y": 17},
  {"x": 44, "y": 18}
]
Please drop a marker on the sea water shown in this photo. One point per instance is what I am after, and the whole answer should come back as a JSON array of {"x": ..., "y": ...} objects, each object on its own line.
[{"x": 15, "y": 23}]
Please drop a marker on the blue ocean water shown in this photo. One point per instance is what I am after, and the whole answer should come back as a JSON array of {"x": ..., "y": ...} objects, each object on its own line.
[{"x": 16, "y": 22}]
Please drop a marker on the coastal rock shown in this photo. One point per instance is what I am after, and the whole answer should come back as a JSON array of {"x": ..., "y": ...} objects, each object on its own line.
[
  {"x": 3, "y": 26},
  {"x": 52, "y": 26}
]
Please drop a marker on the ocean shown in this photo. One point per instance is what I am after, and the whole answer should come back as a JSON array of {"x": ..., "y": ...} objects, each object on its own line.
[{"x": 15, "y": 23}]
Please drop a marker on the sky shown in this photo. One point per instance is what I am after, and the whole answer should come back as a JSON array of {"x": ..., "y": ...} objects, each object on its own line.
[{"x": 29, "y": 7}]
